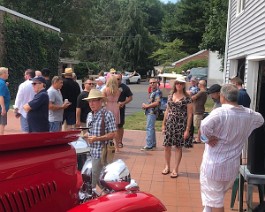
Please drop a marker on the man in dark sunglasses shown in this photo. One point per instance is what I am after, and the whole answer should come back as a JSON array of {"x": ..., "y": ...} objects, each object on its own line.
[
  {"x": 38, "y": 107},
  {"x": 82, "y": 107},
  {"x": 151, "y": 112},
  {"x": 125, "y": 97}
]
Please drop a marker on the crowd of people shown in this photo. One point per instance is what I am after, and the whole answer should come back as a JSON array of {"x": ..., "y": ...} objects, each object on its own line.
[
  {"x": 224, "y": 131},
  {"x": 43, "y": 105}
]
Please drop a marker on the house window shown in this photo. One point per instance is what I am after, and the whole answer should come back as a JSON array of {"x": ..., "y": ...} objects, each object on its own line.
[
  {"x": 240, "y": 6},
  {"x": 241, "y": 68}
]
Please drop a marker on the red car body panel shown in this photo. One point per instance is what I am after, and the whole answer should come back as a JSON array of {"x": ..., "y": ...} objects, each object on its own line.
[
  {"x": 122, "y": 201},
  {"x": 40, "y": 174}
]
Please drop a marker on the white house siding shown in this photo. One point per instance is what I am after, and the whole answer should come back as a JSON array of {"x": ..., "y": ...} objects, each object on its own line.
[
  {"x": 246, "y": 39},
  {"x": 214, "y": 66}
]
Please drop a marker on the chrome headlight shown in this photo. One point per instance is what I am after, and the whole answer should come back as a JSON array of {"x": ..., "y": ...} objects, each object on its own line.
[
  {"x": 115, "y": 176},
  {"x": 87, "y": 172}
]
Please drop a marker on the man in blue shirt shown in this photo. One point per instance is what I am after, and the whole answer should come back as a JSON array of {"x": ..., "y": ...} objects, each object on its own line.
[
  {"x": 151, "y": 112},
  {"x": 4, "y": 99},
  {"x": 243, "y": 97}
]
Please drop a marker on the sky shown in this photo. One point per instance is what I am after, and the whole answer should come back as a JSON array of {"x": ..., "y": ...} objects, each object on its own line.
[{"x": 166, "y": 1}]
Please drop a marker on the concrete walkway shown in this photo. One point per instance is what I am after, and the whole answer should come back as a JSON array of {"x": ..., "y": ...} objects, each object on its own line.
[{"x": 181, "y": 194}]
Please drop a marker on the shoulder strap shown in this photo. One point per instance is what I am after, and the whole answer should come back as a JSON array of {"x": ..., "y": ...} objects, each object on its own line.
[{"x": 102, "y": 126}]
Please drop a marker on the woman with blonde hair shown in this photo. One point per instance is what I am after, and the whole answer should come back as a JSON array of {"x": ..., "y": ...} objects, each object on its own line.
[
  {"x": 176, "y": 124},
  {"x": 112, "y": 93}
]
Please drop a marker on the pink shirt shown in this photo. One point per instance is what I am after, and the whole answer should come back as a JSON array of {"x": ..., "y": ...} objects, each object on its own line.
[{"x": 232, "y": 126}]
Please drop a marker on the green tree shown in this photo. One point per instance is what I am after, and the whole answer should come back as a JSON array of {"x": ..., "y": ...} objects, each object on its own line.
[
  {"x": 135, "y": 43},
  {"x": 214, "y": 36},
  {"x": 170, "y": 51},
  {"x": 187, "y": 23}
]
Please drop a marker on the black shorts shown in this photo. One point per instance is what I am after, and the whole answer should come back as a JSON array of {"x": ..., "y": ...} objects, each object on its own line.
[
  {"x": 69, "y": 117},
  {"x": 122, "y": 119}
]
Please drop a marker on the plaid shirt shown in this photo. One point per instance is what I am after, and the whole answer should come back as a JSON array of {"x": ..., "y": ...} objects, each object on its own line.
[{"x": 94, "y": 121}]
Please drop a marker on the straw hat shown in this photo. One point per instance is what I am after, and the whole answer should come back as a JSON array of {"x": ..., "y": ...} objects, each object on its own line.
[
  {"x": 68, "y": 71},
  {"x": 95, "y": 94},
  {"x": 180, "y": 79}
]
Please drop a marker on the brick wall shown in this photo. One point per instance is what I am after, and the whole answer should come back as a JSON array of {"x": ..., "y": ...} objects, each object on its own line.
[{"x": 201, "y": 56}]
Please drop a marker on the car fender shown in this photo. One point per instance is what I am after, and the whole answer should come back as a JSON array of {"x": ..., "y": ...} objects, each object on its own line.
[{"x": 124, "y": 201}]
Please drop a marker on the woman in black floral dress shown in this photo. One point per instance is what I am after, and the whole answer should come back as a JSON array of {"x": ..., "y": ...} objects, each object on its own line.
[{"x": 176, "y": 124}]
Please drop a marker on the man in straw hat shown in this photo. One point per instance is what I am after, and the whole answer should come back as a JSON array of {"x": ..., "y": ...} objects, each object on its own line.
[
  {"x": 70, "y": 92},
  {"x": 97, "y": 137}
]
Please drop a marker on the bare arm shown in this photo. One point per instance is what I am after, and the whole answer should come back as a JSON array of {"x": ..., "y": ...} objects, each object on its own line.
[
  {"x": 154, "y": 104},
  {"x": 106, "y": 137},
  {"x": 58, "y": 107},
  {"x": 164, "y": 120},
  {"x": 189, "y": 120},
  {"x": 78, "y": 114},
  {"x": 127, "y": 100},
  {"x": 26, "y": 107}
]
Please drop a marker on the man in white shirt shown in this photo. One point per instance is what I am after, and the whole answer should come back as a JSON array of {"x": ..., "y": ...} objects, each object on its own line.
[
  {"x": 24, "y": 95},
  {"x": 225, "y": 132}
]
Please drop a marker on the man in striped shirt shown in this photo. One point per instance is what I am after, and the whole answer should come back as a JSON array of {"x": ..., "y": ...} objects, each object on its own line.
[{"x": 225, "y": 130}]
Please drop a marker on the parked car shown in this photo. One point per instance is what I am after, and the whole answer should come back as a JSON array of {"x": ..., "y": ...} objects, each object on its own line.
[
  {"x": 132, "y": 78},
  {"x": 39, "y": 172},
  {"x": 201, "y": 73}
]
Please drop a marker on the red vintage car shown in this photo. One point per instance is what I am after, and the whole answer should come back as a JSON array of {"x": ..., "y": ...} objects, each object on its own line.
[{"x": 39, "y": 172}]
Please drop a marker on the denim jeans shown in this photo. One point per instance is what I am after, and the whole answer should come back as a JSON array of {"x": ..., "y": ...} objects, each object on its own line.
[
  {"x": 150, "y": 130},
  {"x": 55, "y": 126},
  {"x": 24, "y": 124}
]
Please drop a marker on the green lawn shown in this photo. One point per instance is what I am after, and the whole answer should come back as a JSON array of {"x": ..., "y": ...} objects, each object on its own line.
[{"x": 137, "y": 121}]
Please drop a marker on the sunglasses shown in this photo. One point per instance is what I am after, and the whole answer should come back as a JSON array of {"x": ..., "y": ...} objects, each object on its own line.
[
  {"x": 179, "y": 83},
  {"x": 152, "y": 83},
  {"x": 90, "y": 83},
  {"x": 35, "y": 83}
]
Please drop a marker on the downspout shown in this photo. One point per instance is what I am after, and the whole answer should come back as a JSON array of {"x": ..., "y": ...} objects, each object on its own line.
[{"x": 227, "y": 40}]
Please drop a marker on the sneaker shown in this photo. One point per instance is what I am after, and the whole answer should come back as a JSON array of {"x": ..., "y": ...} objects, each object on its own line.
[
  {"x": 145, "y": 148},
  {"x": 154, "y": 146}
]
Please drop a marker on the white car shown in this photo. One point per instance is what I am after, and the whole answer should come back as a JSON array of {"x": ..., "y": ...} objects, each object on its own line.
[{"x": 129, "y": 77}]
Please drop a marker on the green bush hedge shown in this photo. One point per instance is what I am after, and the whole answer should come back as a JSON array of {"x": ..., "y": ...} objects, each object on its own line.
[{"x": 27, "y": 45}]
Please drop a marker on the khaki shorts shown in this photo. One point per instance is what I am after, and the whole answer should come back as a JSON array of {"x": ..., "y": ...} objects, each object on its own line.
[
  {"x": 197, "y": 118},
  {"x": 3, "y": 120}
]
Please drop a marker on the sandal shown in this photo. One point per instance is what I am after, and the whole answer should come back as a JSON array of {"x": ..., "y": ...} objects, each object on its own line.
[
  {"x": 174, "y": 175},
  {"x": 120, "y": 145},
  {"x": 165, "y": 171}
]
